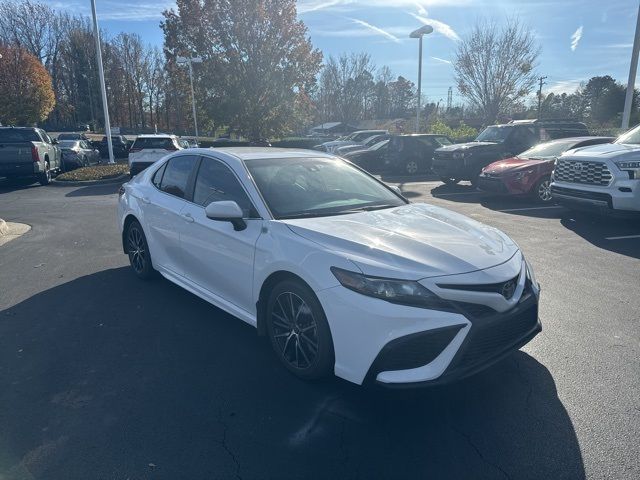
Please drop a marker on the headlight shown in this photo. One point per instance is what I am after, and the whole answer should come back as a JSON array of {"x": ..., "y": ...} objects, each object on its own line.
[
  {"x": 403, "y": 292},
  {"x": 627, "y": 165}
]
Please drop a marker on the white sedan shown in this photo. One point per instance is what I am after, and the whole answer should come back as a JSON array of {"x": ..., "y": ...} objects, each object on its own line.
[{"x": 341, "y": 272}]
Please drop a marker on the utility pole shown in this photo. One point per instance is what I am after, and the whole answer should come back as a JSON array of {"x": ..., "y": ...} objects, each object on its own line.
[
  {"x": 103, "y": 88},
  {"x": 190, "y": 61},
  {"x": 626, "y": 114},
  {"x": 449, "y": 98},
  {"x": 542, "y": 82}
]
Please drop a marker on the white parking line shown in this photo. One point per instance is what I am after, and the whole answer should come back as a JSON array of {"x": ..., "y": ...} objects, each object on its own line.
[
  {"x": 623, "y": 237},
  {"x": 528, "y": 208}
]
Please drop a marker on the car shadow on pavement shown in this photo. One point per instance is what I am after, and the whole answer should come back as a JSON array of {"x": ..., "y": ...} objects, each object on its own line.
[
  {"x": 106, "y": 376},
  {"x": 603, "y": 232},
  {"x": 7, "y": 186},
  {"x": 93, "y": 190}
]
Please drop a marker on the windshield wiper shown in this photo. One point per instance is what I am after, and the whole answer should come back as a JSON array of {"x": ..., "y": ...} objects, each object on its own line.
[
  {"x": 311, "y": 215},
  {"x": 370, "y": 208}
]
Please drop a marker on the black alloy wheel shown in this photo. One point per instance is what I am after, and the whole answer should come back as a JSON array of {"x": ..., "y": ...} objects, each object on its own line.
[
  {"x": 138, "y": 251},
  {"x": 299, "y": 331}
]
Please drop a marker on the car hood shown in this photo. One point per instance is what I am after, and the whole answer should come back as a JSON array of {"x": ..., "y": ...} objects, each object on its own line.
[
  {"x": 514, "y": 163},
  {"x": 412, "y": 241},
  {"x": 606, "y": 150},
  {"x": 461, "y": 147}
]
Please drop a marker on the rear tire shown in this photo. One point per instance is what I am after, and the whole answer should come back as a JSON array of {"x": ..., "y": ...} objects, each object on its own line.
[
  {"x": 298, "y": 331},
  {"x": 449, "y": 180},
  {"x": 410, "y": 167},
  {"x": 45, "y": 177},
  {"x": 138, "y": 250}
]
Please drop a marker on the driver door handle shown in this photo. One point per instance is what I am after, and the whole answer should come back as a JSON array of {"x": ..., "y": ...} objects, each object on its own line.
[{"x": 188, "y": 217}]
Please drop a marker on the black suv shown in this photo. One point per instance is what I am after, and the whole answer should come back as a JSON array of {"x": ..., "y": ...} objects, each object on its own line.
[
  {"x": 407, "y": 154},
  {"x": 464, "y": 161}
]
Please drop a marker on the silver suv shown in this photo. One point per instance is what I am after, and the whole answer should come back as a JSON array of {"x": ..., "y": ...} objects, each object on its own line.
[{"x": 605, "y": 177}]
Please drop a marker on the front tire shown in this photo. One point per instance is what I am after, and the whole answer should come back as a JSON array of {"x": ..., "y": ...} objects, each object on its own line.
[
  {"x": 542, "y": 190},
  {"x": 138, "y": 251},
  {"x": 298, "y": 330}
]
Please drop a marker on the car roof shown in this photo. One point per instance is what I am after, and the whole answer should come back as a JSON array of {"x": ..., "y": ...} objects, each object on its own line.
[
  {"x": 156, "y": 135},
  {"x": 241, "y": 154}
]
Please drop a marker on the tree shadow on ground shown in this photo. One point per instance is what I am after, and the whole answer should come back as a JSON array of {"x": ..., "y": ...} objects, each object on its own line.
[{"x": 109, "y": 377}]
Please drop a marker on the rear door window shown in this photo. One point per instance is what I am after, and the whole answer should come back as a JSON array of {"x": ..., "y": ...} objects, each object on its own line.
[{"x": 176, "y": 175}]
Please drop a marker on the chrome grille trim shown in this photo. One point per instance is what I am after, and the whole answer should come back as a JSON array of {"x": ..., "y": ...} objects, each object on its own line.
[{"x": 577, "y": 171}]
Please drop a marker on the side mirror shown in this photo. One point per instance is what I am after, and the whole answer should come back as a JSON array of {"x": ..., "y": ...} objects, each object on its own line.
[
  {"x": 226, "y": 211},
  {"x": 54, "y": 141}
]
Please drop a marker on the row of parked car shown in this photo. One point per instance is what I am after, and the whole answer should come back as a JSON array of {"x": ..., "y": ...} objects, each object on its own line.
[{"x": 549, "y": 160}]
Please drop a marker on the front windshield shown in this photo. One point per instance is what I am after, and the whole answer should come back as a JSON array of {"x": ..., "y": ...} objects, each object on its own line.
[
  {"x": 494, "y": 134},
  {"x": 546, "y": 150},
  {"x": 630, "y": 137},
  {"x": 317, "y": 187}
]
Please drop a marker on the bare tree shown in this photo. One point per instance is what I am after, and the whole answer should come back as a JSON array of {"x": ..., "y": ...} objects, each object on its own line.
[{"x": 494, "y": 66}]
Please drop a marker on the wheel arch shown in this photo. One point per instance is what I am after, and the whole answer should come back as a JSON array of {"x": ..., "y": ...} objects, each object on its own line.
[
  {"x": 269, "y": 283},
  {"x": 127, "y": 221}
]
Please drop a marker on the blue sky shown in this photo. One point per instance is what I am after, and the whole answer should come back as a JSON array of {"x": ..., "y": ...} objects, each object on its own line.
[{"x": 579, "y": 38}]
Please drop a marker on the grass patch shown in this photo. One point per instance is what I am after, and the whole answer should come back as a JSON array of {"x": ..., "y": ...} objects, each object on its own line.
[{"x": 97, "y": 172}]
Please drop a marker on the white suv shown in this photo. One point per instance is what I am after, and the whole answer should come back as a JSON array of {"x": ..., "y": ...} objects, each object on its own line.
[
  {"x": 148, "y": 149},
  {"x": 604, "y": 177}
]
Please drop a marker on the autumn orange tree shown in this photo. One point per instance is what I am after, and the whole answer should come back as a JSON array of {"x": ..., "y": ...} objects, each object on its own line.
[{"x": 26, "y": 92}]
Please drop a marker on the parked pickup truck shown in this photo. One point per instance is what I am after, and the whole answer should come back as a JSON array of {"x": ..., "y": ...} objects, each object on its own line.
[
  {"x": 27, "y": 152},
  {"x": 464, "y": 161},
  {"x": 603, "y": 179}
]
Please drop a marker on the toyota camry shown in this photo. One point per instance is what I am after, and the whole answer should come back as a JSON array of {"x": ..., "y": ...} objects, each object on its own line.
[{"x": 340, "y": 271}]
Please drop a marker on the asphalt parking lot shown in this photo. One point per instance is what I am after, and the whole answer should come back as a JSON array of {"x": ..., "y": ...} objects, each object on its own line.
[{"x": 106, "y": 377}]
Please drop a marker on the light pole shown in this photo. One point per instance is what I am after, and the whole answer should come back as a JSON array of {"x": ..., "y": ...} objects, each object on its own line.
[
  {"x": 190, "y": 61},
  {"x": 419, "y": 33},
  {"x": 103, "y": 89},
  {"x": 632, "y": 75}
]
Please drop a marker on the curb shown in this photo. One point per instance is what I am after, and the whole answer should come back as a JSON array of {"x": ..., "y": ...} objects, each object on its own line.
[
  {"x": 4, "y": 228},
  {"x": 81, "y": 183}
]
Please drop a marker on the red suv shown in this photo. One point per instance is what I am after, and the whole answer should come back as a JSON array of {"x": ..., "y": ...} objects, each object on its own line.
[{"x": 529, "y": 173}]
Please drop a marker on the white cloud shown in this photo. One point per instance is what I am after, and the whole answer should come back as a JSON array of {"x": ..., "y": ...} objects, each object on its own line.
[
  {"x": 111, "y": 10},
  {"x": 565, "y": 86},
  {"x": 308, "y": 6},
  {"x": 438, "y": 26},
  {"x": 398, "y": 31},
  {"x": 575, "y": 38},
  {"x": 375, "y": 29},
  {"x": 442, "y": 60}
]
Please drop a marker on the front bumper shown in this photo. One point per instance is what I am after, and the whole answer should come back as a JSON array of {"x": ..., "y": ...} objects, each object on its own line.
[
  {"x": 396, "y": 345},
  {"x": 622, "y": 195}
]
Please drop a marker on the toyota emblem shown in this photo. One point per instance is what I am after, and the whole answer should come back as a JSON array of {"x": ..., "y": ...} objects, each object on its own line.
[{"x": 578, "y": 167}]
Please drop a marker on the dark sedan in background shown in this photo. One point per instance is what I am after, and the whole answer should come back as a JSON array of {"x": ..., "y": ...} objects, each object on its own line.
[
  {"x": 406, "y": 154},
  {"x": 529, "y": 173}
]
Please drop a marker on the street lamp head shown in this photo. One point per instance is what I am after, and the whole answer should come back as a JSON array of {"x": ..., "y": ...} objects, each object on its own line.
[{"x": 424, "y": 30}]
